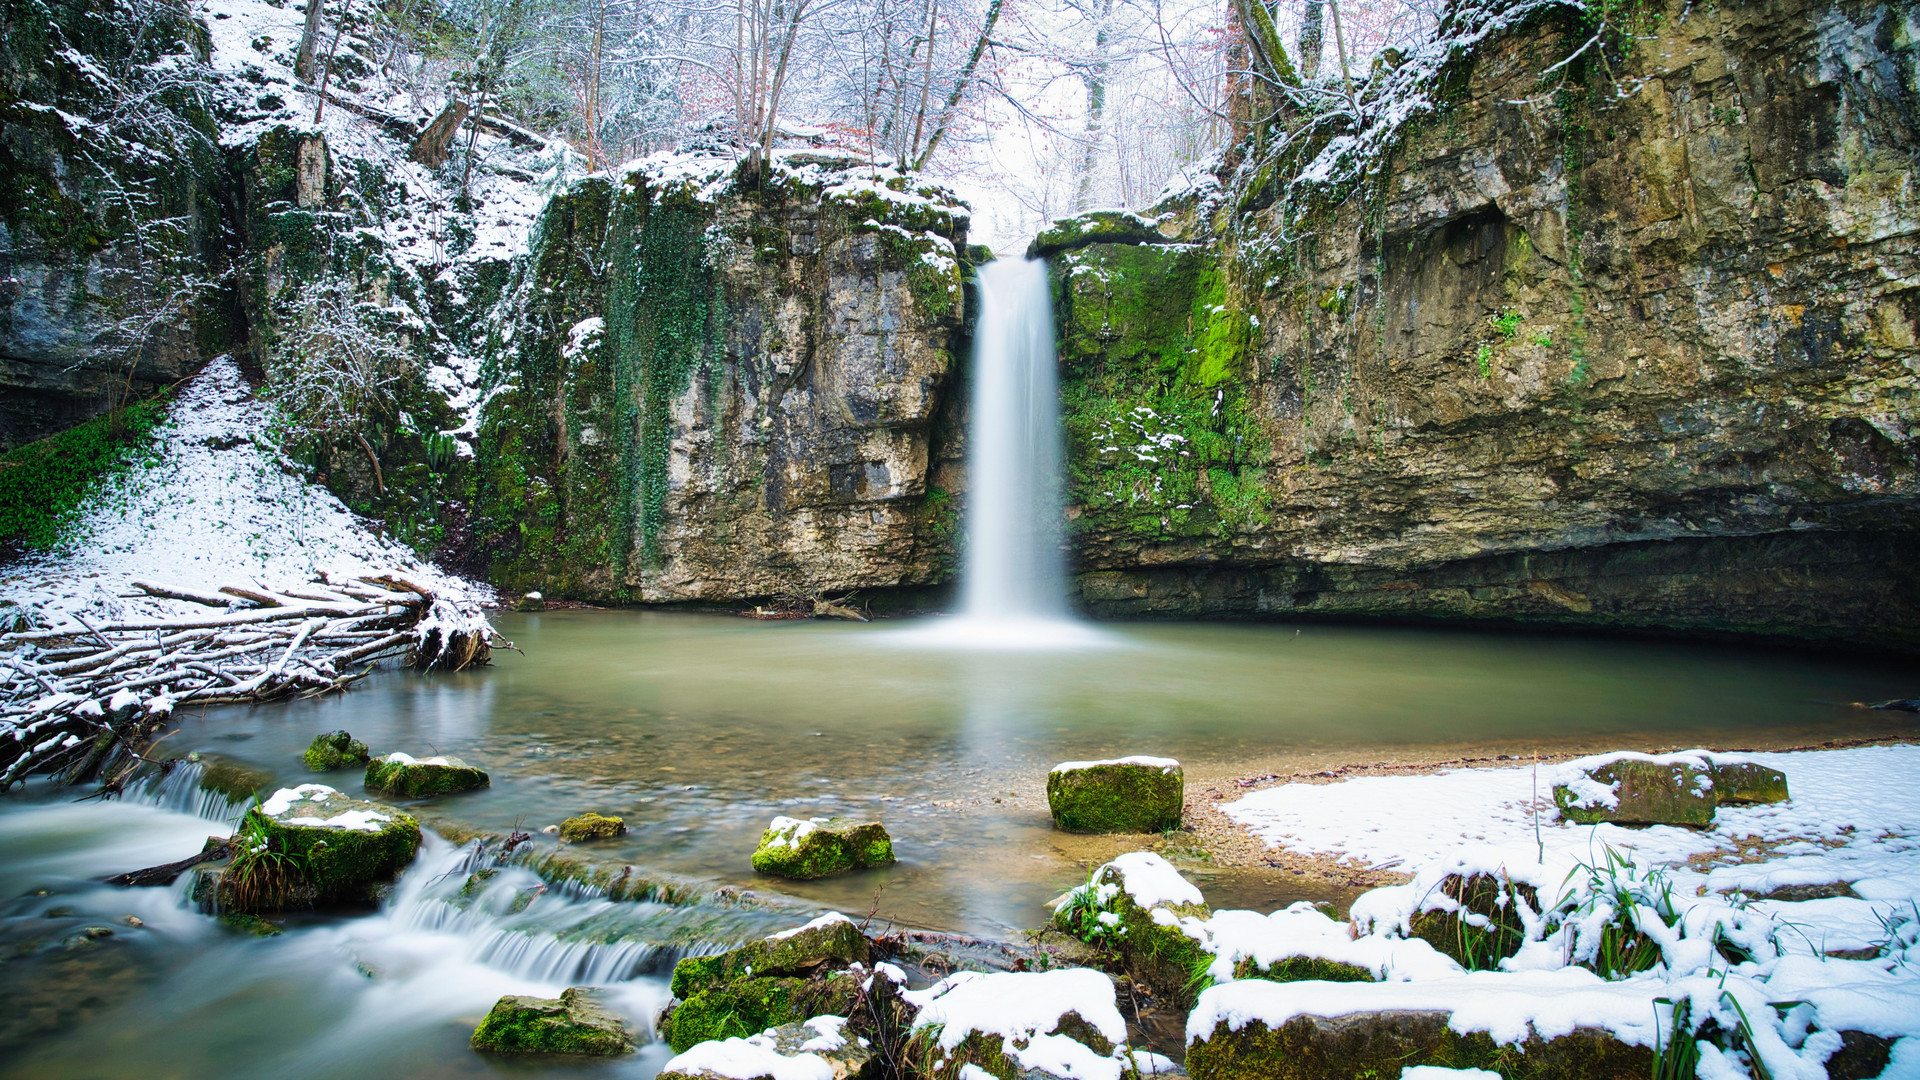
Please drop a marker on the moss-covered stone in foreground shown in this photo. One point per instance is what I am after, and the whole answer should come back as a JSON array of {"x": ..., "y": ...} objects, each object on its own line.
[
  {"x": 592, "y": 826},
  {"x": 413, "y": 778},
  {"x": 574, "y": 1023},
  {"x": 806, "y": 849},
  {"x": 749, "y": 1006},
  {"x": 832, "y": 940},
  {"x": 1382, "y": 1044},
  {"x": 334, "y": 750},
  {"x": 344, "y": 849},
  {"x": 1122, "y": 795}
]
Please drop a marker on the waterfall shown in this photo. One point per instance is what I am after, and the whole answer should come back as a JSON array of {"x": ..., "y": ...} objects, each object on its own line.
[{"x": 1015, "y": 572}]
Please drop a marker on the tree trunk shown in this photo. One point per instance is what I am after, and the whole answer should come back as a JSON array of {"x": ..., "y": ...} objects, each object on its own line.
[
  {"x": 309, "y": 42},
  {"x": 1312, "y": 35},
  {"x": 1096, "y": 80},
  {"x": 436, "y": 141},
  {"x": 960, "y": 86}
]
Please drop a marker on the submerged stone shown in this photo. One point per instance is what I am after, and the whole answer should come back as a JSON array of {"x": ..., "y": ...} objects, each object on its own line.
[
  {"x": 334, "y": 750},
  {"x": 1131, "y": 794},
  {"x": 1639, "y": 791},
  {"x": 313, "y": 844},
  {"x": 573, "y": 1023},
  {"x": 592, "y": 826},
  {"x": 803, "y": 849},
  {"x": 820, "y": 1048},
  {"x": 418, "y": 778}
]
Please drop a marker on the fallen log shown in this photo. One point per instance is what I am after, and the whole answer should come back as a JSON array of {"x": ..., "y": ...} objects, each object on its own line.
[{"x": 167, "y": 873}]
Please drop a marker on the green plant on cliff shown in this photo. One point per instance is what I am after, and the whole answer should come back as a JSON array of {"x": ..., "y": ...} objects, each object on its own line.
[
  {"x": 337, "y": 367},
  {"x": 42, "y": 483}
]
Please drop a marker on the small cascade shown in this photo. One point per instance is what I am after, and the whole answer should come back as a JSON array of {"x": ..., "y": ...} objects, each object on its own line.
[{"x": 178, "y": 789}]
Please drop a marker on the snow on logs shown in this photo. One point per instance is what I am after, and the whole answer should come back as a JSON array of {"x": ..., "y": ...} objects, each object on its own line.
[{"x": 71, "y": 694}]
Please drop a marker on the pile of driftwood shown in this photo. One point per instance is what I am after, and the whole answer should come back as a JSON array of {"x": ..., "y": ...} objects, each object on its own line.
[{"x": 72, "y": 695}]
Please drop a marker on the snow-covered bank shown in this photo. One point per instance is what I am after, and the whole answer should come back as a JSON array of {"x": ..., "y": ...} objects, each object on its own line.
[
  {"x": 211, "y": 504},
  {"x": 1766, "y": 936}
]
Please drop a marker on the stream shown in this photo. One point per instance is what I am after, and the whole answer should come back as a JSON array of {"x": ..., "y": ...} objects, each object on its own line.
[{"x": 698, "y": 729}]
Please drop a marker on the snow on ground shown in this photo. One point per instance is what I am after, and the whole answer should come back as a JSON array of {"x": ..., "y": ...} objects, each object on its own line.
[
  {"x": 212, "y": 506},
  {"x": 1800, "y": 971}
]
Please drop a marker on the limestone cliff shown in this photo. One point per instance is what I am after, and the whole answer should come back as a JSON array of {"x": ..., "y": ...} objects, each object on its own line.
[
  {"x": 707, "y": 387},
  {"x": 1631, "y": 345}
]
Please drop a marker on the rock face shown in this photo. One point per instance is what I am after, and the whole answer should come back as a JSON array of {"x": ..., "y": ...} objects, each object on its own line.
[
  {"x": 744, "y": 404},
  {"x": 803, "y": 849},
  {"x": 574, "y": 1023},
  {"x": 1636, "y": 790},
  {"x": 1123, "y": 795},
  {"x": 419, "y": 778},
  {"x": 334, "y": 750},
  {"x": 1637, "y": 360}
]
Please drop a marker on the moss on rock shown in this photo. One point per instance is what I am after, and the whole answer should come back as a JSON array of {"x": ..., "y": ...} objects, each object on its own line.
[
  {"x": 1149, "y": 939},
  {"x": 398, "y": 774},
  {"x": 1382, "y": 1044},
  {"x": 1642, "y": 792},
  {"x": 340, "y": 849},
  {"x": 1477, "y": 921},
  {"x": 1742, "y": 783},
  {"x": 852, "y": 1059},
  {"x": 334, "y": 750},
  {"x": 749, "y": 1006},
  {"x": 1094, "y": 227},
  {"x": 1123, "y": 795},
  {"x": 831, "y": 940},
  {"x": 592, "y": 826},
  {"x": 803, "y": 849},
  {"x": 574, "y": 1023},
  {"x": 1302, "y": 969},
  {"x": 235, "y": 781}
]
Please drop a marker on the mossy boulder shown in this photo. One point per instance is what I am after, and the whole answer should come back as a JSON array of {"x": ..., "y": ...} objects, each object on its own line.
[
  {"x": 1095, "y": 227},
  {"x": 749, "y": 1006},
  {"x": 1745, "y": 783},
  {"x": 334, "y": 750},
  {"x": 343, "y": 849},
  {"x": 803, "y": 849},
  {"x": 592, "y": 826},
  {"x": 1475, "y": 919},
  {"x": 1122, "y": 795},
  {"x": 574, "y": 1023},
  {"x": 1010, "y": 1024},
  {"x": 829, "y": 941},
  {"x": 787, "y": 1050},
  {"x": 1139, "y": 906},
  {"x": 1638, "y": 791},
  {"x": 1384, "y": 1043},
  {"x": 419, "y": 778},
  {"x": 531, "y": 602}
]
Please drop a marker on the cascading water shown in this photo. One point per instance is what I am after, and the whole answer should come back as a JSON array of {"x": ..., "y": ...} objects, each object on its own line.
[{"x": 1014, "y": 572}]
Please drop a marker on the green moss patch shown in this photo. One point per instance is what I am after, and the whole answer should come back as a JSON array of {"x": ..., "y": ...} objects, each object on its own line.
[
  {"x": 591, "y": 826},
  {"x": 1385, "y": 1043},
  {"x": 1117, "y": 796},
  {"x": 42, "y": 483},
  {"x": 1740, "y": 783},
  {"x": 574, "y": 1023},
  {"x": 334, "y": 750},
  {"x": 336, "y": 849},
  {"x": 1481, "y": 925},
  {"x": 746, "y": 1007},
  {"x": 830, "y": 941},
  {"x": 819, "y": 847},
  {"x": 1642, "y": 793},
  {"x": 399, "y": 774}
]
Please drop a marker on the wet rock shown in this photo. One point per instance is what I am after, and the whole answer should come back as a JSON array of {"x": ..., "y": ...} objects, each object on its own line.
[
  {"x": 1132, "y": 794},
  {"x": 789, "y": 977},
  {"x": 574, "y": 1023},
  {"x": 1140, "y": 907},
  {"x": 311, "y": 844},
  {"x": 419, "y": 778},
  {"x": 1386, "y": 1042},
  {"x": 249, "y": 924},
  {"x": 591, "y": 826},
  {"x": 97, "y": 931},
  {"x": 822, "y": 1047},
  {"x": 803, "y": 849},
  {"x": 334, "y": 750},
  {"x": 832, "y": 940},
  {"x": 1743, "y": 783},
  {"x": 1860, "y": 1056},
  {"x": 1824, "y": 890},
  {"x": 1639, "y": 791},
  {"x": 532, "y": 601}
]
